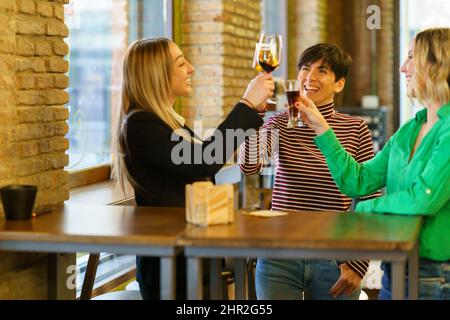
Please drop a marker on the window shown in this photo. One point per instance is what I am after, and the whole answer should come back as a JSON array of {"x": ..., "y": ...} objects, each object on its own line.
[
  {"x": 149, "y": 18},
  {"x": 100, "y": 32},
  {"x": 416, "y": 15}
]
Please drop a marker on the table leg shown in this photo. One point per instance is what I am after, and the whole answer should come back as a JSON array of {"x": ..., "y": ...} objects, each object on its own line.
[
  {"x": 240, "y": 274},
  {"x": 168, "y": 278},
  {"x": 194, "y": 280},
  {"x": 251, "y": 280},
  {"x": 61, "y": 276},
  {"x": 215, "y": 279},
  {"x": 243, "y": 191},
  {"x": 398, "y": 280},
  {"x": 413, "y": 273}
]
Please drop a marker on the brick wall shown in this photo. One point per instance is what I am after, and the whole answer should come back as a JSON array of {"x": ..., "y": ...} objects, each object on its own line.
[
  {"x": 335, "y": 22},
  {"x": 343, "y": 22},
  {"x": 33, "y": 115},
  {"x": 372, "y": 50},
  {"x": 306, "y": 27},
  {"x": 361, "y": 72},
  {"x": 218, "y": 38}
]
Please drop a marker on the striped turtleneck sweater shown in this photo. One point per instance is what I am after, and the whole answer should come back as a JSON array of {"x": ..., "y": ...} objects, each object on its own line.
[{"x": 302, "y": 179}]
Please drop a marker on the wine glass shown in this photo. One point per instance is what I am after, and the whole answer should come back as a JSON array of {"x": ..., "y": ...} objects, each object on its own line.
[
  {"x": 292, "y": 90},
  {"x": 267, "y": 55}
]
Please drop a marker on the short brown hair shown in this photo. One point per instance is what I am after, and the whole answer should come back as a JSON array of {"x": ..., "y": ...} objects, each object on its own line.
[{"x": 333, "y": 56}]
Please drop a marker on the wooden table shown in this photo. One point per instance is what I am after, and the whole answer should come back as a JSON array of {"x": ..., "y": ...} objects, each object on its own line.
[
  {"x": 144, "y": 231},
  {"x": 310, "y": 235}
]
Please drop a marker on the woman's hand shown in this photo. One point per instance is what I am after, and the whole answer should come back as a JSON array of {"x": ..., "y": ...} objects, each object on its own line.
[
  {"x": 348, "y": 282},
  {"x": 259, "y": 90},
  {"x": 311, "y": 115}
]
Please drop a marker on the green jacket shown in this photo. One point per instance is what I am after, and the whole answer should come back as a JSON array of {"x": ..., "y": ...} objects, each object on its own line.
[{"x": 417, "y": 187}]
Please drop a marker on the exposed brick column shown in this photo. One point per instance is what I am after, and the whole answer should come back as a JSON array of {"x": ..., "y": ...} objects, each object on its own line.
[
  {"x": 335, "y": 22},
  {"x": 7, "y": 86},
  {"x": 337, "y": 31},
  {"x": 218, "y": 38},
  {"x": 385, "y": 58},
  {"x": 33, "y": 115},
  {"x": 33, "y": 84},
  {"x": 360, "y": 72},
  {"x": 306, "y": 27},
  {"x": 346, "y": 25},
  {"x": 385, "y": 53}
]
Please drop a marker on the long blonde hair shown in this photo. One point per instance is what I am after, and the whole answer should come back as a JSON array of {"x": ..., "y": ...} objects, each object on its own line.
[
  {"x": 147, "y": 76},
  {"x": 431, "y": 81}
]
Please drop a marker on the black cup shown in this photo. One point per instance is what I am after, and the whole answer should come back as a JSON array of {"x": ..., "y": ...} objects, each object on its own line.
[{"x": 18, "y": 201}]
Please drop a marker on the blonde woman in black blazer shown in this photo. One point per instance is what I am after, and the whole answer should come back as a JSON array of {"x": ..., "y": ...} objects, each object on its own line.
[{"x": 149, "y": 132}]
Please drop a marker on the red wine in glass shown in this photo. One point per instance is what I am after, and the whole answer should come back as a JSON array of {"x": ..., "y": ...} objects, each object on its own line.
[
  {"x": 292, "y": 97},
  {"x": 292, "y": 90}
]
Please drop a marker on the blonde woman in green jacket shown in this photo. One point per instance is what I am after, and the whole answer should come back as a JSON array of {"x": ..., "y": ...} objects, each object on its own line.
[{"x": 414, "y": 166}]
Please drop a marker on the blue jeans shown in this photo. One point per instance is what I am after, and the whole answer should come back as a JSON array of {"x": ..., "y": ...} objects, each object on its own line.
[
  {"x": 434, "y": 281},
  {"x": 290, "y": 279}
]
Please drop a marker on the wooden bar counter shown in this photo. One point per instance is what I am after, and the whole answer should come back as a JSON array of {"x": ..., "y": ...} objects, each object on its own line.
[
  {"x": 142, "y": 231},
  {"x": 311, "y": 235},
  {"x": 163, "y": 232}
]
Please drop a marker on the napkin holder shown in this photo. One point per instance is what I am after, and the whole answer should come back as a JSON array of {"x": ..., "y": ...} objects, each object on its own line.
[{"x": 207, "y": 204}]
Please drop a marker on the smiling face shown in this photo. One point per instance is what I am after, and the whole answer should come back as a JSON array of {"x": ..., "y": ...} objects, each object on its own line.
[
  {"x": 318, "y": 82},
  {"x": 182, "y": 72},
  {"x": 408, "y": 66}
]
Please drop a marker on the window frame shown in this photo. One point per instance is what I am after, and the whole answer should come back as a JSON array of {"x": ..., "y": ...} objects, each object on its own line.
[{"x": 91, "y": 175}]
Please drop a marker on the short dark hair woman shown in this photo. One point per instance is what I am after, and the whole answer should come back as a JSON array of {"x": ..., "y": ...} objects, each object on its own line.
[{"x": 303, "y": 181}]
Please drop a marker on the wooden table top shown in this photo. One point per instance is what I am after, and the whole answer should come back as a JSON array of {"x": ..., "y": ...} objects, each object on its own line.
[
  {"x": 100, "y": 225},
  {"x": 91, "y": 224},
  {"x": 310, "y": 230}
]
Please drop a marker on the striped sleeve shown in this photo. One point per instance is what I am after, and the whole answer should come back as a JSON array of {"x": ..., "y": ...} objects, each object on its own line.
[
  {"x": 257, "y": 149},
  {"x": 359, "y": 266}
]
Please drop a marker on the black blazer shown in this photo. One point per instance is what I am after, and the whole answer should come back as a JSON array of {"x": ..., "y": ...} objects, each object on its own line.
[
  {"x": 149, "y": 155},
  {"x": 162, "y": 182}
]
